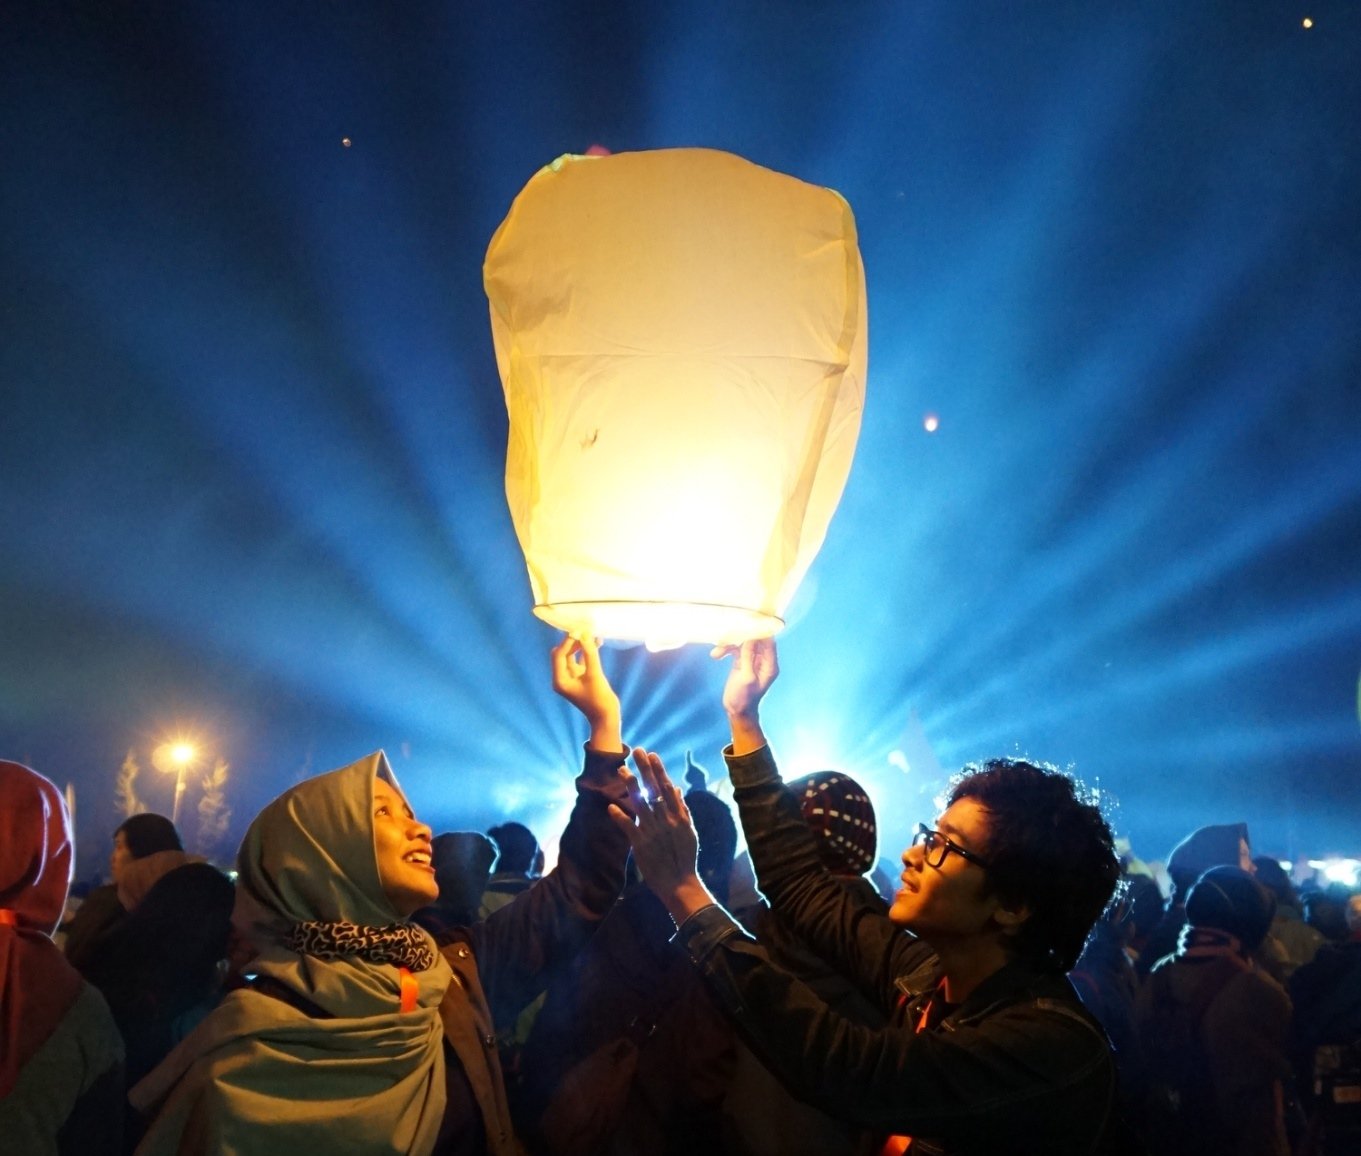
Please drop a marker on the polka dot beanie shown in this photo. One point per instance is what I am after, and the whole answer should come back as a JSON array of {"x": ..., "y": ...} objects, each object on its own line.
[{"x": 839, "y": 812}]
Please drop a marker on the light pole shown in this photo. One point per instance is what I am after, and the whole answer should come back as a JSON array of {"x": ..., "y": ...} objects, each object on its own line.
[{"x": 175, "y": 758}]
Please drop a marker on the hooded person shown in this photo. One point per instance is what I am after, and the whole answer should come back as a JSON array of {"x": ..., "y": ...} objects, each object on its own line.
[
  {"x": 1223, "y": 844},
  {"x": 1212, "y": 1028},
  {"x": 61, "y": 1061},
  {"x": 337, "y": 1042},
  {"x": 138, "y": 837},
  {"x": 356, "y": 1031}
]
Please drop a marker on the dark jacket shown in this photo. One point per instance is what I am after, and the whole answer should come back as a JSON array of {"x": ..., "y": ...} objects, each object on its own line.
[
  {"x": 629, "y": 1054},
  {"x": 1018, "y": 1067},
  {"x": 505, "y": 961},
  {"x": 1213, "y": 1032}
]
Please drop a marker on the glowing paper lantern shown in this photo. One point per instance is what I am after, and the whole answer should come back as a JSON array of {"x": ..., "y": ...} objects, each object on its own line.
[{"x": 682, "y": 340}]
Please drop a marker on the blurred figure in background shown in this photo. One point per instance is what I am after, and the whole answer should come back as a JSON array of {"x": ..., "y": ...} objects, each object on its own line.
[
  {"x": 161, "y": 968},
  {"x": 135, "y": 838},
  {"x": 462, "y": 862},
  {"x": 1293, "y": 942},
  {"x": 1326, "y": 1042},
  {"x": 1325, "y": 910},
  {"x": 1224, "y": 844},
  {"x": 1212, "y": 1029},
  {"x": 517, "y": 853},
  {"x": 1105, "y": 977},
  {"x": 61, "y": 1061}
]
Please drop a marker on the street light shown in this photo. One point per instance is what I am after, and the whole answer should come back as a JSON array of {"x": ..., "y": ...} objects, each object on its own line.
[{"x": 175, "y": 758}]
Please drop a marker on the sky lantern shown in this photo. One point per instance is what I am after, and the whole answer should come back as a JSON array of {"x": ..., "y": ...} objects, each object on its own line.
[{"x": 681, "y": 336}]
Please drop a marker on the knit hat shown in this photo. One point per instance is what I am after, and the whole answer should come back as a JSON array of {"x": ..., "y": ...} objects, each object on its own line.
[
  {"x": 1229, "y": 899},
  {"x": 838, "y": 811}
]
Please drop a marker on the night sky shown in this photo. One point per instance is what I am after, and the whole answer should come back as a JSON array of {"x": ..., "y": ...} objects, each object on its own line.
[{"x": 252, "y": 438}]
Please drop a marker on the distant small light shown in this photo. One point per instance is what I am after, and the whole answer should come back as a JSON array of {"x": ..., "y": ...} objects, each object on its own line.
[
  {"x": 931, "y": 423},
  {"x": 1308, "y": 23},
  {"x": 345, "y": 141}
]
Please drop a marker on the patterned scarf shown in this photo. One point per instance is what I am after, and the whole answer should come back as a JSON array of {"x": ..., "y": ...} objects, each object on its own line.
[{"x": 400, "y": 944}]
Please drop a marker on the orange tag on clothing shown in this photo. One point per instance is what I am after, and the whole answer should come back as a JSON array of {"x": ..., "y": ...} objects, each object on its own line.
[
  {"x": 898, "y": 1145},
  {"x": 8, "y": 918},
  {"x": 410, "y": 988}
]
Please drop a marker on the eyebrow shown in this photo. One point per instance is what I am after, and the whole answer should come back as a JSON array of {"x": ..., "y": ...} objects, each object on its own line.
[
  {"x": 389, "y": 797},
  {"x": 955, "y": 833}
]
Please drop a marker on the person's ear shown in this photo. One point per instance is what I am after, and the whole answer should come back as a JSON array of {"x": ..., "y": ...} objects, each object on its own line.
[{"x": 1011, "y": 916}]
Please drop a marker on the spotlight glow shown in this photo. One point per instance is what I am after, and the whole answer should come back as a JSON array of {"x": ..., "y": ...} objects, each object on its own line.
[{"x": 1338, "y": 870}]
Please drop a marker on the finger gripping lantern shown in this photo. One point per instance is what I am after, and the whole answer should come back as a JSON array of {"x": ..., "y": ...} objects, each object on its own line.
[{"x": 681, "y": 336}]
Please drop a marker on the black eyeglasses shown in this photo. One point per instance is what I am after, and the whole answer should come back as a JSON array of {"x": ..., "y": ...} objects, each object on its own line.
[{"x": 938, "y": 846}]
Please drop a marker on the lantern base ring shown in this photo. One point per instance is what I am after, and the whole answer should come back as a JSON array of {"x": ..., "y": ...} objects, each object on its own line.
[{"x": 659, "y": 623}]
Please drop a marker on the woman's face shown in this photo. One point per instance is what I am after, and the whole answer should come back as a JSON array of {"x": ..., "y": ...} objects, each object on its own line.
[
  {"x": 120, "y": 858},
  {"x": 402, "y": 848}
]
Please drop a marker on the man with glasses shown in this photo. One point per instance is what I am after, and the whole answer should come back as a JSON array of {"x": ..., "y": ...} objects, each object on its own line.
[{"x": 985, "y": 1047}]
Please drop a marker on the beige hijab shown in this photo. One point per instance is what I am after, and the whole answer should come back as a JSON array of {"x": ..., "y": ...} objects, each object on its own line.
[{"x": 260, "y": 1077}]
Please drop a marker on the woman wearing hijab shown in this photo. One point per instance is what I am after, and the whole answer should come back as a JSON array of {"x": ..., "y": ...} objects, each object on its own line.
[
  {"x": 61, "y": 1061},
  {"x": 357, "y": 1032},
  {"x": 139, "y": 837}
]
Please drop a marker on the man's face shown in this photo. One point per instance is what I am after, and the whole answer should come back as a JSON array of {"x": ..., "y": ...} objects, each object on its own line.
[
  {"x": 949, "y": 903},
  {"x": 1245, "y": 862}
]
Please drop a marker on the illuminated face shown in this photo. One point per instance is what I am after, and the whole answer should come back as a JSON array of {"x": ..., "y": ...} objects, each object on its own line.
[
  {"x": 950, "y": 903},
  {"x": 401, "y": 845},
  {"x": 120, "y": 858},
  {"x": 1245, "y": 857}
]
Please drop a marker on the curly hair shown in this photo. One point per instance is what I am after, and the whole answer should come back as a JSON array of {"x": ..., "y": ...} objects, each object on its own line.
[{"x": 1049, "y": 847}]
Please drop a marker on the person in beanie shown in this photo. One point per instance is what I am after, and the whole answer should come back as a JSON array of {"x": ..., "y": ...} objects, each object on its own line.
[
  {"x": 1212, "y": 1028},
  {"x": 986, "y": 1047},
  {"x": 1221, "y": 844}
]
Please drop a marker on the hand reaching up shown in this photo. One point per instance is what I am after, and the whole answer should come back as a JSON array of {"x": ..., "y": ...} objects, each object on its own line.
[
  {"x": 580, "y": 678},
  {"x": 663, "y": 837},
  {"x": 755, "y": 666}
]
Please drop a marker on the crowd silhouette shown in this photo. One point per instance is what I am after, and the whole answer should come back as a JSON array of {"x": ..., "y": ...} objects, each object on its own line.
[{"x": 353, "y": 982}]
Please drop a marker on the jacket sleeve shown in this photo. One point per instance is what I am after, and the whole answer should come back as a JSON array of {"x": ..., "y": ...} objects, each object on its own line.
[
  {"x": 1023, "y": 1066},
  {"x": 847, "y": 930},
  {"x": 518, "y": 945}
]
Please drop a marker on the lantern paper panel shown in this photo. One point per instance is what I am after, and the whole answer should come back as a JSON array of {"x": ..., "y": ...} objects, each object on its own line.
[{"x": 681, "y": 337}]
